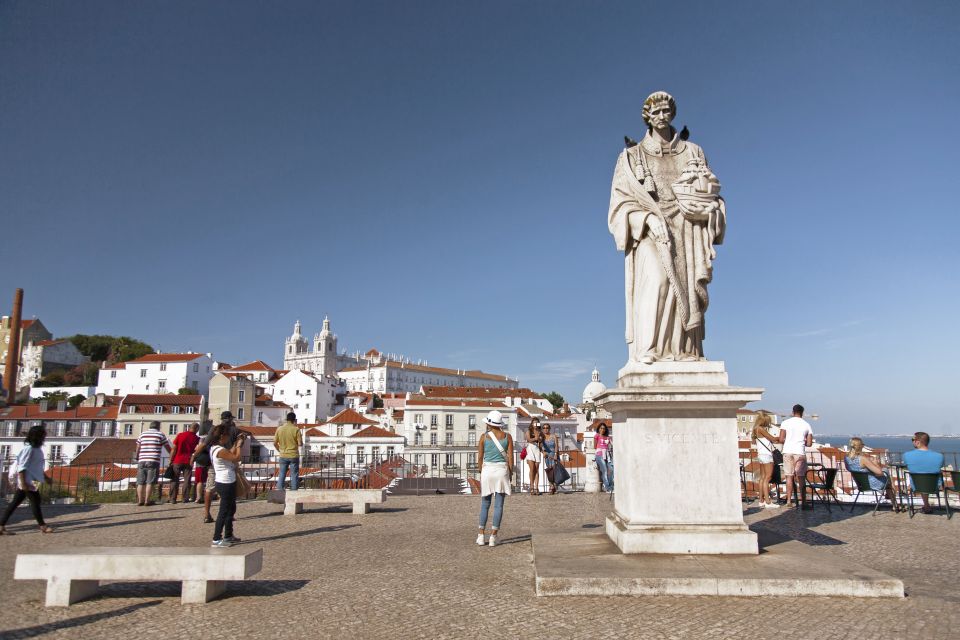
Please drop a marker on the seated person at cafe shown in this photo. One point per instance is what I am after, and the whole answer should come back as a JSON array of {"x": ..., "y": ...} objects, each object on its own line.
[
  {"x": 859, "y": 461},
  {"x": 923, "y": 460}
]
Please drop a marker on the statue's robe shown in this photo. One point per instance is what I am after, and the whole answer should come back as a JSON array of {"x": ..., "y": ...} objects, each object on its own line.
[{"x": 666, "y": 283}]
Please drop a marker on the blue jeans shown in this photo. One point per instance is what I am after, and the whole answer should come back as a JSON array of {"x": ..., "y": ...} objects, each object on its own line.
[
  {"x": 228, "y": 508},
  {"x": 606, "y": 472},
  {"x": 497, "y": 509},
  {"x": 294, "y": 465}
]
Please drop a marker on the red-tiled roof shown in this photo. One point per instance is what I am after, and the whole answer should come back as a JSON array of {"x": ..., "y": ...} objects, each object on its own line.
[
  {"x": 32, "y": 412},
  {"x": 256, "y": 365},
  {"x": 118, "y": 365},
  {"x": 349, "y": 416},
  {"x": 260, "y": 431},
  {"x": 316, "y": 432},
  {"x": 26, "y": 324},
  {"x": 48, "y": 343},
  {"x": 166, "y": 357},
  {"x": 437, "y": 391},
  {"x": 162, "y": 399},
  {"x": 106, "y": 450},
  {"x": 373, "y": 353},
  {"x": 439, "y": 402},
  {"x": 375, "y": 432}
]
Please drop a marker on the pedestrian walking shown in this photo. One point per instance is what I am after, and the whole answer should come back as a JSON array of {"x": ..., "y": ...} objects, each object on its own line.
[
  {"x": 533, "y": 454},
  {"x": 29, "y": 471},
  {"x": 495, "y": 461},
  {"x": 180, "y": 458},
  {"x": 150, "y": 445},
  {"x": 551, "y": 451},
  {"x": 287, "y": 441},
  {"x": 225, "y": 463}
]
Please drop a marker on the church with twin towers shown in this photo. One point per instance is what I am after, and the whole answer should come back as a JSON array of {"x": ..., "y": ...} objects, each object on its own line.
[{"x": 375, "y": 372}]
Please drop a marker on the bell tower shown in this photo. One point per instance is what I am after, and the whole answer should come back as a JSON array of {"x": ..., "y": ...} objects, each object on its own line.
[
  {"x": 326, "y": 349},
  {"x": 294, "y": 347}
]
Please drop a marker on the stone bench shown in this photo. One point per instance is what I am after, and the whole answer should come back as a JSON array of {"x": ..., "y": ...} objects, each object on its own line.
[
  {"x": 74, "y": 574},
  {"x": 361, "y": 499}
]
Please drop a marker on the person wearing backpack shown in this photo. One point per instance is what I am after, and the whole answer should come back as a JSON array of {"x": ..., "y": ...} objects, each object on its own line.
[
  {"x": 495, "y": 462},
  {"x": 29, "y": 470}
]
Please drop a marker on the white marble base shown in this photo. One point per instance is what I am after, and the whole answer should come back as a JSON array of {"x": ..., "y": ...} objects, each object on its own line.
[{"x": 676, "y": 458}]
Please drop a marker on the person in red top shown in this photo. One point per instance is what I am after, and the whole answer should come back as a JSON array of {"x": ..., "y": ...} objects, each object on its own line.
[{"x": 183, "y": 447}]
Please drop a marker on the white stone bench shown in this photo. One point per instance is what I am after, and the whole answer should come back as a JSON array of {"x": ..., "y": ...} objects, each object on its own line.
[
  {"x": 361, "y": 499},
  {"x": 74, "y": 574}
]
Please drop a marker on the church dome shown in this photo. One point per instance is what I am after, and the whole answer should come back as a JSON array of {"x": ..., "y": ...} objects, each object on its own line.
[{"x": 594, "y": 387}]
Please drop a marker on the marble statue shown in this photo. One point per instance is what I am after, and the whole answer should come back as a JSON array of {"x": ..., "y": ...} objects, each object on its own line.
[{"x": 666, "y": 215}]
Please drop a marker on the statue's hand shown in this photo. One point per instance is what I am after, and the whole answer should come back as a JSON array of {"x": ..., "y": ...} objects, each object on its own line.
[{"x": 656, "y": 228}]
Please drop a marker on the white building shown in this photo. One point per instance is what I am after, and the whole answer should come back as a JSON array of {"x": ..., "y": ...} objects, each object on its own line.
[
  {"x": 43, "y": 357},
  {"x": 354, "y": 436},
  {"x": 69, "y": 431},
  {"x": 313, "y": 397},
  {"x": 158, "y": 373},
  {"x": 173, "y": 411}
]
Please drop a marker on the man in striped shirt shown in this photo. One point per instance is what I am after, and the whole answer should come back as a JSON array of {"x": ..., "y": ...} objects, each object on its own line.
[{"x": 150, "y": 446}]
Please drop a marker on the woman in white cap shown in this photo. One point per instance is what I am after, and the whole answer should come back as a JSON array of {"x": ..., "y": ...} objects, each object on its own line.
[{"x": 495, "y": 461}]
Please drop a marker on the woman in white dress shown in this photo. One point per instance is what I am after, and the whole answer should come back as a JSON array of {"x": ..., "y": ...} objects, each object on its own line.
[
  {"x": 534, "y": 455},
  {"x": 495, "y": 461}
]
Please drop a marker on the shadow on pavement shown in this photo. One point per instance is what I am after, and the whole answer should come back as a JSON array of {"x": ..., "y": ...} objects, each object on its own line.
[
  {"x": 50, "y": 627},
  {"x": 297, "y": 534}
]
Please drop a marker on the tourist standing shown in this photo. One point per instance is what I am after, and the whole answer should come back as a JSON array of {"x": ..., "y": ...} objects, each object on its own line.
[
  {"x": 603, "y": 442},
  {"x": 795, "y": 436},
  {"x": 495, "y": 462},
  {"x": 287, "y": 441},
  {"x": 857, "y": 460},
  {"x": 763, "y": 437},
  {"x": 150, "y": 445},
  {"x": 30, "y": 470},
  {"x": 201, "y": 462},
  {"x": 923, "y": 460},
  {"x": 183, "y": 447},
  {"x": 226, "y": 421},
  {"x": 534, "y": 449},
  {"x": 551, "y": 449},
  {"x": 226, "y": 459}
]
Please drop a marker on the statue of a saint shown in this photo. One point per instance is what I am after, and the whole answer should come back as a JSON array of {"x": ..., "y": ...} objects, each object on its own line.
[{"x": 666, "y": 216}]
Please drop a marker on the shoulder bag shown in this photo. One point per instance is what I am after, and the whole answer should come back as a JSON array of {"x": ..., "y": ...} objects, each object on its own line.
[{"x": 499, "y": 446}]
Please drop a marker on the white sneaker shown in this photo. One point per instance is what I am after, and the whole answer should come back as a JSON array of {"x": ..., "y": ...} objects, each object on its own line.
[
  {"x": 480, "y": 540},
  {"x": 772, "y": 505},
  {"x": 493, "y": 541}
]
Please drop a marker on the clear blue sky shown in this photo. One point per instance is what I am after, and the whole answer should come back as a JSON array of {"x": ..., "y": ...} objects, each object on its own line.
[{"x": 435, "y": 176}]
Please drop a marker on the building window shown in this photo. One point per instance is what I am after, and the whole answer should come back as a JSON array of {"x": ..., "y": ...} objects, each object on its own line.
[
  {"x": 85, "y": 429},
  {"x": 161, "y": 385},
  {"x": 449, "y": 439},
  {"x": 435, "y": 460},
  {"x": 143, "y": 373},
  {"x": 240, "y": 413},
  {"x": 163, "y": 366},
  {"x": 113, "y": 374},
  {"x": 471, "y": 422},
  {"x": 80, "y": 448},
  {"x": 132, "y": 408},
  {"x": 158, "y": 409},
  {"x": 196, "y": 367},
  {"x": 451, "y": 458},
  {"x": 195, "y": 385},
  {"x": 449, "y": 421},
  {"x": 259, "y": 417},
  {"x": 56, "y": 451},
  {"x": 175, "y": 408},
  {"x": 61, "y": 428},
  {"x": 472, "y": 439},
  {"x": 281, "y": 391},
  {"x": 308, "y": 405},
  {"x": 340, "y": 430},
  {"x": 172, "y": 430},
  {"x": 4, "y": 452},
  {"x": 191, "y": 410},
  {"x": 308, "y": 392},
  {"x": 418, "y": 438},
  {"x": 361, "y": 455},
  {"x": 390, "y": 452},
  {"x": 433, "y": 439},
  {"x": 241, "y": 395},
  {"x": 418, "y": 418},
  {"x": 375, "y": 454},
  {"x": 128, "y": 429},
  {"x": 116, "y": 392},
  {"x": 433, "y": 421}
]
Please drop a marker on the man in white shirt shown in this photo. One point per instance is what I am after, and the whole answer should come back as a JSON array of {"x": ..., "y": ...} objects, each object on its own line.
[{"x": 795, "y": 436}]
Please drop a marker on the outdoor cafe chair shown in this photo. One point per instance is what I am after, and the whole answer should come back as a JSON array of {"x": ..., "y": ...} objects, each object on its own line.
[
  {"x": 821, "y": 488},
  {"x": 930, "y": 483},
  {"x": 955, "y": 477},
  {"x": 862, "y": 480}
]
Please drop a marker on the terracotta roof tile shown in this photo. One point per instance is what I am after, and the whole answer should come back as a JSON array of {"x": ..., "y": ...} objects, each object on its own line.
[
  {"x": 256, "y": 365},
  {"x": 375, "y": 432},
  {"x": 349, "y": 416},
  {"x": 106, "y": 450}
]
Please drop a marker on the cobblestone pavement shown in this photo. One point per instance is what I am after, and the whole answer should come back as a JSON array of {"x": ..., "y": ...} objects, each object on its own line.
[{"x": 411, "y": 569}]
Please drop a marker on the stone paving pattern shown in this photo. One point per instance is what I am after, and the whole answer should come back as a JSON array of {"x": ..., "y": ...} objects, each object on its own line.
[{"x": 410, "y": 569}]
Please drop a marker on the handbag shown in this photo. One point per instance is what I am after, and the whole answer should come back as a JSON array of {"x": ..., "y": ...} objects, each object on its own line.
[
  {"x": 560, "y": 473},
  {"x": 523, "y": 453},
  {"x": 170, "y": 473},
  {"x": 243, "y": 485}
]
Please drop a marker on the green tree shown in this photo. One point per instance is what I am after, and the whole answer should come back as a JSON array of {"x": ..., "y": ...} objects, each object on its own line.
[
  {"x": 555, "y": 399},
  {"x": 377, "y": 402},
  {"x": 113, "y": 349},
  {"x": 75, "y": 400},
  {"x": 187, "y": 391},
  {"x": 52, "y": 398},
  {"x": 52, "y": 379}
]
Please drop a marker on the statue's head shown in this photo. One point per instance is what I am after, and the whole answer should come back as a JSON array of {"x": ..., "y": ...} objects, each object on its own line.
[{"x": 659, "y": 110}]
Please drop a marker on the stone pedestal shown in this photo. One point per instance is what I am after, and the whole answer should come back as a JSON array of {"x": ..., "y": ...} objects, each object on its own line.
[
  {"x": 676, "y": 459},
  {"x": 591, "y": 479}
]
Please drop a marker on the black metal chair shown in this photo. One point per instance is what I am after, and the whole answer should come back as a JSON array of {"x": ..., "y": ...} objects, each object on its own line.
[
  {"x": 822, "y": 488},
  {"x": 929, "y": 483},
  {"x": 955, "y": 478},
  {"x": 862, "y": 480}
]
